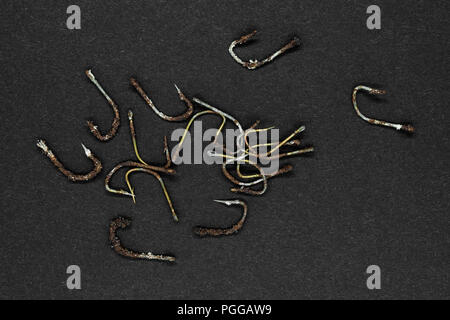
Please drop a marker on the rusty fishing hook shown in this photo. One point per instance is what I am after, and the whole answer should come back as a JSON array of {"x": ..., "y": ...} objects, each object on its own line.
[
  {"x": 205, "y": 231},
  {"x": 253, "y": 64},
  {"x": 163, "y": 186},
  {"x": 131, "y": 164},
  {"x": 133, "y": 137},
  {"x": 69, "y": 174},
  {"x": 247, "y": 151},
  {"x": 116, "y": 122},
  {"x": 262, "y": 178},
  {"x": 135, "y": 147},
  {"x": 405, "y": 127},
  {"x": 239, "y": 143},
  {"x": 275, "y": 147},
  {"x": 142, "y": 166},
  {"x": 191, "y": 121},
  {"x": 121, "y": 223},
  {"x": 181, "y": 117},
  {"x": 244, "y": 186}
]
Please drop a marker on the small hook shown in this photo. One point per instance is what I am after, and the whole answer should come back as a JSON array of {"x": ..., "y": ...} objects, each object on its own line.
[
  {"x": 405, "y": 127},
  {"x": 204, "y": 231},
  {"x": 158, "y": 177},
  {"x": 191, "y": 121},
  {"x": 253, "y": 64},
  {"x": 69, "y": 174},
  {"x": 240, "y": 138},
  {"x": 116, "y": 122},
  {"x": 181, "y": 117},
  {"x": 131, "y": 164},
  {"x": 116, "y": 244},
  {"x": 142, "y": 166}
]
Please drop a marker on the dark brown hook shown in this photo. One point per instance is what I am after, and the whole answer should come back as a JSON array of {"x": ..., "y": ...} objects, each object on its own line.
[
  {"x": 69, "y": 174},
  {"x": 205, "y": 231},
  {"x": 116, "y": 244}
]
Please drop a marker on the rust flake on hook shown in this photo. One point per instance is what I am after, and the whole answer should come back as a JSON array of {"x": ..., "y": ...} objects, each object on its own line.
[
  {"x": 206, "y": 231},
  {"x": 116, "y": 244},
  {"x": 405, "y": 127},
  {"x": 253, "y": 64},
  {"x": 116, "y": 121},
  {"x": 69, "y": 174}
]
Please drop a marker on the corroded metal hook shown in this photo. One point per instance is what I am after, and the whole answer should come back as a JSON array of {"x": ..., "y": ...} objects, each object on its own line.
[
  {"x": 191, "y": 121},
  {"x": 161, "y": 182},
  {"x": 116, "y": 244},
  {"x": 181, "y": 117},
  {"x": 116, "y": 122},
  {"x": 205, "y": 231},
  {"x": 142, "y": 166},
  {"x": 69, "y": 174},
  {"x": 405, "y": 127},
  {"x": 131, "y": 164},
  {"x": 253, "y": 64}
]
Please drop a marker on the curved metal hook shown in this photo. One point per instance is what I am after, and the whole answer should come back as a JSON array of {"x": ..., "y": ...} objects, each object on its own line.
[
  {"x": 240, "y": 138},
  {"x": 163, "y": 186},
  {"x": 253, "y": 64},
  {"x": 405, "y": 127},
  {"x": 116, "y": 244},
  {"x": 131, "y": 164},
  {"x": 186, "y": 130},
  {"x": 244, "y": 186},
  {"x": 262, "y": 179},
  {"x": 116, "y": 122},
  {"x": 181, "y": 117},
  {"x": 69, "y": 174},
  {"x": 205, "y": 231}
]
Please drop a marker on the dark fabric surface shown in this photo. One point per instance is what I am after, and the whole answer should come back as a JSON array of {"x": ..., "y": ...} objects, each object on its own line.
[{"x": 368, "y": 195}]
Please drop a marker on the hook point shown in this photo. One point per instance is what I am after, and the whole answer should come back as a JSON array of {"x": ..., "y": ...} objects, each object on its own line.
[
  {"x": 227, "y": 202},
  {"x": 86, "y": 151}
]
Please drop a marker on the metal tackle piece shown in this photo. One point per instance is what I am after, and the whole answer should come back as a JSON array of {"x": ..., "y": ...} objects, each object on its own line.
[
  {"x": 191, "y": 121},
  {"x": 116, "y": 122},
  {"x": 69, "y": 174},
  {"x": 158, "y": 177},
  {"x": 150, "y": 103},
  {"x": 116, "y": 244},
  {"x": 253, "y": 64},
  {"x": 142, "y": 166},
  {"x": 405, "y": 127},
  {"x": 205, "y": 231}
]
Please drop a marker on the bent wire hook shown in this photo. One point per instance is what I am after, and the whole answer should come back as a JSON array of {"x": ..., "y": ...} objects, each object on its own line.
[
  {"x": 205, "y": 231},
  {"x": 181, "y": 117},
  {"x": 161, "y": 182},
  {"x": 253, "y": 64},
  {"x": 116, "y": 244},
  {"x": 116, "y": 122},
  {"x": 141, "y": 166},
  {"x": 405, "y": 127},
  {"x": 69, "y": 174}
]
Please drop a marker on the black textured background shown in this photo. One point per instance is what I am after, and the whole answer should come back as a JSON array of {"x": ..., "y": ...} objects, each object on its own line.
[{"x": 368, "y": 195}]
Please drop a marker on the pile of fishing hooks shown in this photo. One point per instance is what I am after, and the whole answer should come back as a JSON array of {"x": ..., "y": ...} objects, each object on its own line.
[{"x": 247, "y": 154}]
